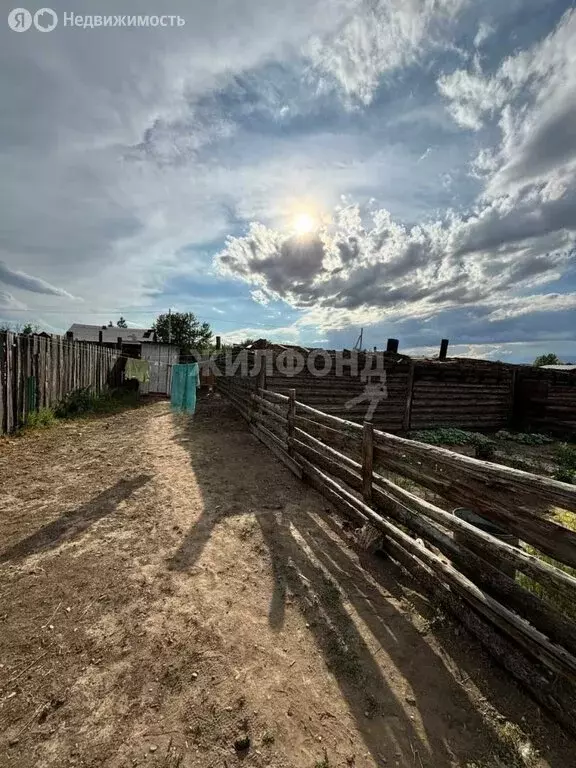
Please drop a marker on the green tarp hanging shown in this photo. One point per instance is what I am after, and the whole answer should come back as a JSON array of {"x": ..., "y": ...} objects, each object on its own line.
[
  {"x": 137, "y": 369},
  {"x": 185, "y": 381}
]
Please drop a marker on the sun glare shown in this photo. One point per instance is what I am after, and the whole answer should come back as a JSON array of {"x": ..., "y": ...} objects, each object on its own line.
[{"x": 304, "y": 223}]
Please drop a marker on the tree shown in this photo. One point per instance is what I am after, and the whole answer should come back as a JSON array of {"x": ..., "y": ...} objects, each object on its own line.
[
  {"x": 29, "y": 329},
  {"x": 183, "y": 329},
  {"x": 122, "y": 323},
  {"x": 549, "y": 359},
  {"x": 110, "y": 324},
  {"x": 247, "y": 342}
]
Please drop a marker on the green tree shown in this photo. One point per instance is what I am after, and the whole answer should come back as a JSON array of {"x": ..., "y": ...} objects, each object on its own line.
[
  {"x": 28, "y": 329},
  {"x": 122, "y": 323},
  {"x": 183, "y": 329},
  {"x": 549, "y": 359}
]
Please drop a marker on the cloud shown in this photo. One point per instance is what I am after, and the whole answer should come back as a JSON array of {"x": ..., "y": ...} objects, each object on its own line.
[
  {"x": 379, "y": 37},
  {"x": 26, "y": 282},
  {"x": 485, "y": 30},
  {"x": 366, "y": 265},
  {"x": 532, "y": 95},
  {"x": 7, "y": 301}
]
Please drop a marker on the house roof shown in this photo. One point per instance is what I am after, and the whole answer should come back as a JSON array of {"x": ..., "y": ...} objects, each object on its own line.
[{"x": 110, "y": 335}]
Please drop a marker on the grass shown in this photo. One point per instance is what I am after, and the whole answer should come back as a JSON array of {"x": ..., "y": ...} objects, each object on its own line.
[
  {"x": 82, "y": 402},
  {"x": 564, "y": 604},
  {"x": 45, "y": 417}
]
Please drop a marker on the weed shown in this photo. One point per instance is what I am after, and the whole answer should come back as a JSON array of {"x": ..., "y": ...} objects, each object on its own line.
[
  {"x": 565, "y": 605},
  {"x": 525, "y": 438},
  {"x": 451, "y": 436},
  {"x": 268, "y": 738},
  {"x": 84, "y": 401},
  {"x": 566, "y": 456},
  {"x": 324, "y": 763},
  {"x": 45, "y": 417},
  {"x": 565, "y": 475}
]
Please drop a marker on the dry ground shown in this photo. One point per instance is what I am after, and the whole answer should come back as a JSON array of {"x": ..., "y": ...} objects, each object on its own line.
[{"x": 167, "y": 587}]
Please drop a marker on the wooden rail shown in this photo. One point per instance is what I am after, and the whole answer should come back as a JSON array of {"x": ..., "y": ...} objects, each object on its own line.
[{"x": 356, "y": 467}]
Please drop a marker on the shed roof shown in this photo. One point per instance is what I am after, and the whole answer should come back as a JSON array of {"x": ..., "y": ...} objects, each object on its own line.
[{"x": 110, "y": 335}]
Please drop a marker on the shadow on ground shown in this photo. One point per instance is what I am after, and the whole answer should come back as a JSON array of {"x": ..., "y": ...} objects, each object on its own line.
[
  {"x": 73, "y": 524},
  {"x": 387, "y": 669}
]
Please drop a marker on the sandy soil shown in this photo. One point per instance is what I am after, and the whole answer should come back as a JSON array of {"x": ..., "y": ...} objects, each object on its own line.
[{"x": 169, "y": 591}]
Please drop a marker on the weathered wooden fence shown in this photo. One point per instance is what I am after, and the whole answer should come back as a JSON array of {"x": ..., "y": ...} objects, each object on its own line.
[
  {"x": 39, "y": 371},
  {"x": 426, "y": 394},
  {"x": 356, "y": 467}
]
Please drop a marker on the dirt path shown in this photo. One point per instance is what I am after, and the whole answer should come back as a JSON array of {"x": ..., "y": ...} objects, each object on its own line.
[{"x": 168, "y": 588}]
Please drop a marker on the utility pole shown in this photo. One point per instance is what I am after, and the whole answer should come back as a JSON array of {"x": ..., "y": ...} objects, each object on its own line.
[{"x": 169, "y": 325}]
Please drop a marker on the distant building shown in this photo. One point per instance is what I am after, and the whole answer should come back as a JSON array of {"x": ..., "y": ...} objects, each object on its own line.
[{"x": 139, "y": 343}]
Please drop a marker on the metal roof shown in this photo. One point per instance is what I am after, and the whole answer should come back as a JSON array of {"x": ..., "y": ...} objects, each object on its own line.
[{"x": 110, "y": 335}]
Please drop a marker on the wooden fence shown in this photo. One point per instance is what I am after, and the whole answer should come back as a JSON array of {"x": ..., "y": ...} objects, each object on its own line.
[
  {"x": 469, "y": 572},
  {"x": 426, "y": 394},
  {"x": 39, "y": 371}
]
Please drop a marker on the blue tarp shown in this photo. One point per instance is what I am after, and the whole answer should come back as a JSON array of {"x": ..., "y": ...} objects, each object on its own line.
[{"x": 185, "y": 381}]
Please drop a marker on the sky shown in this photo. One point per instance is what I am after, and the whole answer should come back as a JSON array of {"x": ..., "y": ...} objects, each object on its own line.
[{"x": 297, "y": 171}]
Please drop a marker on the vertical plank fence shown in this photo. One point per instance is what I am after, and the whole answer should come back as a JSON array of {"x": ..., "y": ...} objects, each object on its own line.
[{"x": 38, "y": 372}]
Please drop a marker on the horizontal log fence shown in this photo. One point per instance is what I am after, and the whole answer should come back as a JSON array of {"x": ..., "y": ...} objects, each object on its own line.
[
  {"x": 427, "y": 394},
  {"x": 468, "y": 570}
]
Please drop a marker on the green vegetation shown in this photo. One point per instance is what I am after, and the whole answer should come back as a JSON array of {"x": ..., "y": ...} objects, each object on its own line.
[
  {"x": 549, "y": 359},
  {"x": 566, "y": 459},
  {"x": 324, "y": 763},
  {"x": 524, "y": 438},
  {"x": 451, "y": 436},
  {"x": 82, "y": 402},
  {"x": 566, "y": 455},
  {"x": 565, "y": 605},
  {"x": 45, "y": 417},
  {"x": 185, "y": 330}
]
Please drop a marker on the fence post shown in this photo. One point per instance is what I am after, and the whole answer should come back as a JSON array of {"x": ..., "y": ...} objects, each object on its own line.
[
  {"x": 291, "y": 417},
  {"x": 409, "y": 396},
  {"x": 367, "y": 460}
]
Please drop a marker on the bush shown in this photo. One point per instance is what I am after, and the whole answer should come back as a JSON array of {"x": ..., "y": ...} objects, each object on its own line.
[
  {"x": 566, "y": 456},
  {"x": 45, "y": 417},
  {"x": 564, "y": 474},
  {"x": 84, "y": 401},
  {"x": 76, "y": 402}
]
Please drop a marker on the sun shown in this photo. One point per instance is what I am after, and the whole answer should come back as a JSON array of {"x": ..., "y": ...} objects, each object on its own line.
[{"x": 304, "y": 223}]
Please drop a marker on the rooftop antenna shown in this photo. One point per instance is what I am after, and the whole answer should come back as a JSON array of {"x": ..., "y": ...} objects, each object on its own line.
[{"x": 358, "y": 344}]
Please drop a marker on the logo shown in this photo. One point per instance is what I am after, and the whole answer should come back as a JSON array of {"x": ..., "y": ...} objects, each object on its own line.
[
  {"x": 19, "y": 19},
  {"x": 45, "y": 20}
]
